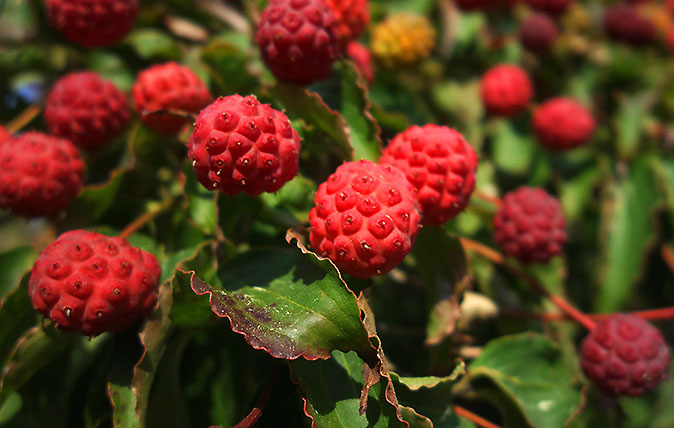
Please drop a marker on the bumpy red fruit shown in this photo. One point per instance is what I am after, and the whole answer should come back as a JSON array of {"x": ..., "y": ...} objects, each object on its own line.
[
  {"x": 625, "y": 355},
  {"x": 538, "y": 33},
  {"x": 168, "y": 86},
  {"x": 365, "y": 218},
  {"x": 552, "y": 7},
  {"x": 352, "y": 17},
  {"x": 626, "y": 23},
  {"x": 298, "y": 40},
  {"x": 506, "y": 90},
  {"x": 87, "y": 110},
  {"x": 39, "y": 174},
  {"x": 239, "y": 145},
  {"x": 529, "y": 225},
  {"x": 93, "y": 23},
  {"x": 441, "y": 166},
  {"x": 362, "y": 56},
  {"x": 92, "y": 283},
  {"x": 562, "y": 123}
]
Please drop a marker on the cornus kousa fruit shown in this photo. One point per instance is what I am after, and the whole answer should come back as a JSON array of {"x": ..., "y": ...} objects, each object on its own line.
[
  {"x": 625, "y": 355},
  {"x": 298, "y": 40},
  {"x": 39, "y": 174},
  {"x": 165, "y": 87},
  {"x": 506, "y": 90},
  {"x": 552, "y": 7},
  {"x": 441, "y": 166},
  {"x": 562, "y": 123},
  {"x": 529, "y": 225},
  {"x": 403, "y": 39},
  {"x": 626, "y": 23},
  {"x": 365, "y": 218},
  {"x": 87, "y": 110},
  {"x": 239, "y": 145},
  {"x": 92, "y": 23},
  {"x": 3, "y": 134},
  {"x": 92, "y": 283},
  {"x": 538, "y": 33},
  {"x": 363, "y": 58},
  {"x": 352, "y": 18}
]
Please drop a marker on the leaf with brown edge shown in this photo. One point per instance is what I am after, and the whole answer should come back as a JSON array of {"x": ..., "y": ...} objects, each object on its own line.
[{"x": 288, "y": 303}]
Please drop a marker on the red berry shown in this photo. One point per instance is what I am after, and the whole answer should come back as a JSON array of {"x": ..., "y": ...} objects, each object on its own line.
[
  {"x": 506, "y": 90},
  {"x": 538, "y": 33},
  {"x": 93, "y": 23},
  {"x": 168, "y": 86},
  {"x": 92, "y": 283},
  {"x": 552, "y": 7},
  {"x": 39, "y": 174},
  {"x": 473, "y": 5},
  {"x": 624, "y": 22},
  {"x": 3, "y": 134},
  {"x": 87, "y": 110},
  {"x": 365, "y": 218},
  {"x": 362, "y": 56},
  {"x": 529, "y": 225},
  {"x": 441, "y": 166},
  {"x": 625, "y": 355},
  {"x": 298, "y": 40},
  {"x": 352, "y": 17},
  {"x": 562, "y": 123},
  {"x": 239, "y": 145}
]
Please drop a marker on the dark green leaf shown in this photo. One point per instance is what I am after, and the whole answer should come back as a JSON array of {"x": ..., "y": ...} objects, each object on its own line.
[{"x": 13, "y": 264}]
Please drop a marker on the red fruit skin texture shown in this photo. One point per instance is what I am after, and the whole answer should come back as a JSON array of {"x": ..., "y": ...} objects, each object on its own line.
[
  {"x": 87, "y": 110},
  {"x": 298, "y": 40},
  {"x": 365, "y": 218},
  {"x": 92, "y": 23},
  {"x": 551, "y": 7},
  {"x": 362, "y": 56},
  {"x": 562, "y": 123},
  {"x": 625, "y": 23},
  {"x": 168, "y": 86},
  {"x": 538, "y": 33},
  {"x": 240, "y": 145},
  {"x": 474, "y": 5},
  {"x": 506, "y": 90},
  {"x": 39, "y": 174},
  {"x": 529, "y": 225},
  {"x": 92, "y": 283},
  {"x": 440, "y": 165},
  {"x": 352, "y": 17},
  {"x": 625, "y": 355}
]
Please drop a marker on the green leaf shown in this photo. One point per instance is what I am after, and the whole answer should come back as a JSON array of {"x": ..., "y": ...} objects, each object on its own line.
[
  {"x": 13, "y": 264},
  {"x": 629, "y": 123},
  {"x": 628, "y": 228},
  {"x": 288, "y": 304},
  {"x": 513, "y": 152},
  {"x": 153, "y": 44},
  {"x": 228, "y": 63},
  {"x": 529, "y": 369},
  {"x": 201, "y": 209},
  {"x": 355, "y": 108},
  {"x": 16, "y": 316},
  {"x": 332, "y": 390}
]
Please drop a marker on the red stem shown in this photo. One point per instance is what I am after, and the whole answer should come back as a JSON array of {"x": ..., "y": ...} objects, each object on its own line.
[
  {"x": 145, "y": 218},
  {"x": 477, "y": 420},
  {"x": 660, "y": 314},
  {"x": 255, "y": 414}
]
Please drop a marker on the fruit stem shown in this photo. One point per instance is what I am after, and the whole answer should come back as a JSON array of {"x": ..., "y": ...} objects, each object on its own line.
[
  {"x": 23, "y": 119},
  {"x": 145, "y": 218},
  {"x": 187, "y": 115},
  {"x": 660, "y": 314},
  {"x": 494, "y": 200},
  {"x": 477, "y": 420},
  {"x": 532, "y": 282},
  {"x": 255, "y": 414}
]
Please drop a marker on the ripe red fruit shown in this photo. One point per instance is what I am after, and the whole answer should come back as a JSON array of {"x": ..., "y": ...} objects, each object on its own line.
[
  {"x": 552, "y": 7},
  {"x": 472, "y": 5},
  {"x": 298, "y": 40},
  {"x": 441, "y": 166},
  {"x": 562, "y": 123},
  {"x": 624, "y": 22},
  {"x": 529, "y": 225},
  {"x": 93, "y": 23},
  {"x": 538, "y": 33},
  {"x": 239, "y": 145},
  {"x": 87, "y": 110},
  {"x": 92, "y": 283},
  {"x": 168, "y": 86},
  {"x": 365, "y": 218},
  {"x": 39, "y": 174},
  {"x": 625, "y": 355},
  {"x": 362, "y": 56},
  {"x": 3, "y": 134},
  {"x": 352, "y": 17},
  {"x": 506, "y": 90}
]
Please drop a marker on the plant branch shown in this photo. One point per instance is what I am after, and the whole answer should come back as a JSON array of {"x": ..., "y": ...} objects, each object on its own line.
[
  {"x": 145, "y": 218},
  {"x": 532, "y": 282},
  {"x": 660, "y": 314},
  {"x": 255, "y": 414},
  {"x": 477, "y": 420},
  {"x": 23, "y": 119},
  {"x": 494, "y": 200}
]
